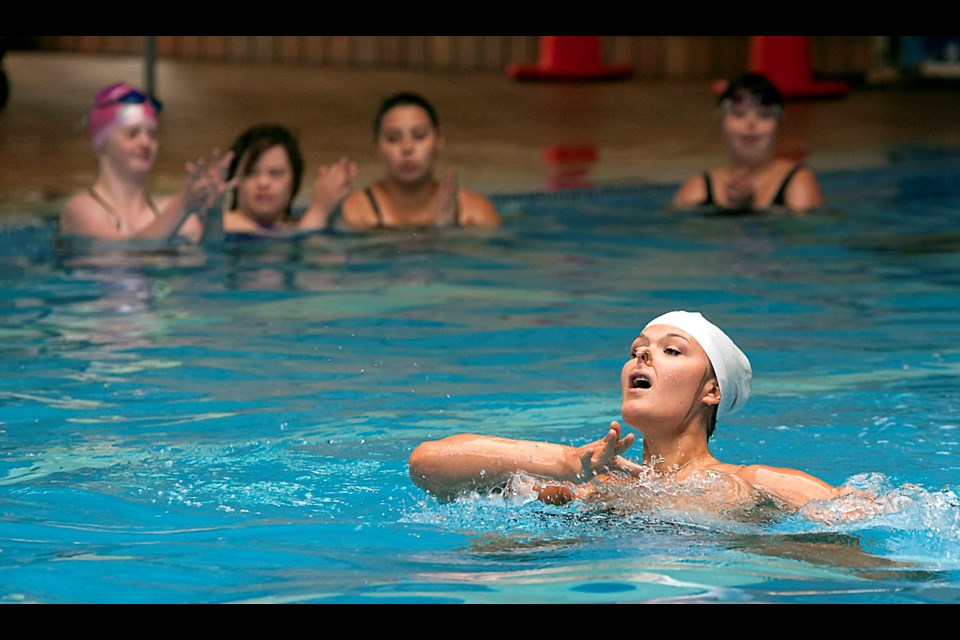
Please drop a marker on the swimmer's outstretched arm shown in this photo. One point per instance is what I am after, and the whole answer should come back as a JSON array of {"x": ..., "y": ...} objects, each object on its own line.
[
  {"x": 795, "y": 488},
  {"x": 804, "y": 492},
  {"x": 468, "y": 461}
]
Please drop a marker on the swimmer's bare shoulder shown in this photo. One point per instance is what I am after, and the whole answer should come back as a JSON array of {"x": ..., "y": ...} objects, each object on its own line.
[
  {"x": 692, "y": 192},
  {"x": 82, "y": 215},
  {"x": 357, "y": 211},
  {"x": 804, "y": 191},
  {"x": 478, "y": 209},
  {"x": 793, "y": 487}
]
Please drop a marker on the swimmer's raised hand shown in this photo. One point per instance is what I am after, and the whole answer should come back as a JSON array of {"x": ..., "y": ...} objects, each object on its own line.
[
  {"x": 603, "y": 454},
  {"x": 333, "y": 184},
  {"x": 207, "y": 182},
  {"x": 201, "y": 193},
  {"x": 739, "y": 189},
  {"x": 448, "y": 206}
]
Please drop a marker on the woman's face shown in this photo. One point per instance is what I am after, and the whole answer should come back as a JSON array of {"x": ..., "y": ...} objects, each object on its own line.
[
  {"x": 132, "y": 148},
  {"x": 266, "y": 187},
  {"x": 750, "y": 129},
  {"x": 408, "y": 144},
  {"x": 667, "y": 379}
]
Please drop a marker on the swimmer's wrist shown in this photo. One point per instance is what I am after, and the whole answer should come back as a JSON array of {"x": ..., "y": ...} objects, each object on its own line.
[{"x": 574, "y": 469}]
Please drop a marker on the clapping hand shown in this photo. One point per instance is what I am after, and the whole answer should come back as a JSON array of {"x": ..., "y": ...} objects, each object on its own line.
[
  {"x": 206, "y": 183},
  {"x": 448, "y": 205},
  {"x": 738, "y": 190},
  {"x": 604, "y": 454},
  {"x": 333, "y": 184}
]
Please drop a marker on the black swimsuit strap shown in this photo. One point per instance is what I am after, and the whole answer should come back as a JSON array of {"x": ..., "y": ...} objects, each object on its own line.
[
  {"x": 781, "y": 197},
  {"x": 113, "y": 212},
  {"x": 376, "y": 207},
  {"x": 106, "y": 206},
  {"x": 459, "y": 213},
  {"x": 708, "y": 201}
]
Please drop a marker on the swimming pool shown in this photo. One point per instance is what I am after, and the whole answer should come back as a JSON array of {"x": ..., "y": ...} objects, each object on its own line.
[{"x": 191, "y": 426}]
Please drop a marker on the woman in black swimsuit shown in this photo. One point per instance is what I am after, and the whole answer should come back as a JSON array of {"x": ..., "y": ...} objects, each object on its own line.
[
  {"x": 753, "y": 178},
  {"x": 408, "y": 142}
]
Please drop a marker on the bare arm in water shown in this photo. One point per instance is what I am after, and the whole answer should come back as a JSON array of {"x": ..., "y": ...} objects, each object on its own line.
[{"x": 466, "y": 462}]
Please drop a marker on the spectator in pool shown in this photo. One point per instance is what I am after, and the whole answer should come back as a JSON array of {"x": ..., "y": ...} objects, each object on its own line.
[
  {"x": 123, "y": 125},
  {"x": 408, "y": 141},
  {"x": 683, "y": 372},
  {"x": 754, "y": 177},
  {"x": 268, "y": 167}
]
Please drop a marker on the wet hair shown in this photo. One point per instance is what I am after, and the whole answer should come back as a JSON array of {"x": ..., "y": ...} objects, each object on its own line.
[
  {"x": 756, "y": 85},
  {"x": 715, "y": 409},
  {"x": 254, "y": 142},
  {"x": 404, "y": 99}
]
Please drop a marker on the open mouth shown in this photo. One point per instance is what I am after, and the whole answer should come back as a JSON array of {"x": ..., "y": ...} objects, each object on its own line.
[{"x": 639, "y": 381}]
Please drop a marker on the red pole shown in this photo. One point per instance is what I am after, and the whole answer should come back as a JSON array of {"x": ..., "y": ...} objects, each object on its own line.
[{"x": 569, "y": 58}]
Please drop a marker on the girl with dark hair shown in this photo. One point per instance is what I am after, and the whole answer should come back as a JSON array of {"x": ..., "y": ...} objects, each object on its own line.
[
  {"x": 408, "y": 141},
  {"x": 268, "y": 166},
  {"x": 754, "y": 177}
]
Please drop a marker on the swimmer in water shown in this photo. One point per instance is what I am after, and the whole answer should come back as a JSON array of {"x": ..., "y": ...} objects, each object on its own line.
[
  {"x": 269, "y": 166},
  {"x": 408, "y": 142},
  {"x": 123, "y": 125},
  {"x": 754, "y": 177},
  {"x": 683, "y": 372}
]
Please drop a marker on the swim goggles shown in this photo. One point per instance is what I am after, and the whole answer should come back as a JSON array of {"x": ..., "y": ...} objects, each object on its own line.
[
  {"x": 132, "y": 96},
  {"x": 765, "y": 105}
]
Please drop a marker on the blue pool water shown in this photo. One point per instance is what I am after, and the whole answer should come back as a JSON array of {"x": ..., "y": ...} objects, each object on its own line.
[{"x": 213, "y": 426}]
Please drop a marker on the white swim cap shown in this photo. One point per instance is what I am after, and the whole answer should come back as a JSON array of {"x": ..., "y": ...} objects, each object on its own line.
[{"x": 731, "y": 365}]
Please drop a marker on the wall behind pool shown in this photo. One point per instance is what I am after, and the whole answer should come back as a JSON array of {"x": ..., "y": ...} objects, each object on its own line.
[{"x": 651, "y": 57}]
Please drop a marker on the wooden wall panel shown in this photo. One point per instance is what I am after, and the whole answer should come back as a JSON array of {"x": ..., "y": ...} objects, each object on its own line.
[
  {"x": 238, "y": 49},
  {"x": 315, "y": 50},
  {"x": 648, "y": 57},
  {"x": 214, "y": 48},
  {"x": 494, "y": 55},
  {"x": 653, "y": 57},
  {"x": 416, "y": 52},
  {"x": 188, "y": 47},
  {"x": 339, "y": 49},
  {"x": 291, "y": 49},
  {"x": 265, "y": 50},
  {"x": 365, "y": 50},
  {"x": 392, "y": 51},
  {"x": 469, "y": 52}
]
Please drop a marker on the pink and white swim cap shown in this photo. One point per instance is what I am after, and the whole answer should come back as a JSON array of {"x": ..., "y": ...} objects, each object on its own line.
[{"x": 118, "y": 105}]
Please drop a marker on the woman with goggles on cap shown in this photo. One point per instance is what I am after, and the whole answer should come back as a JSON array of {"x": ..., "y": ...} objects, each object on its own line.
[
  {"x": 123, "y": 125},
  {"x": 754, "y": 177},
  {"x": 683, "y": 372}
]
